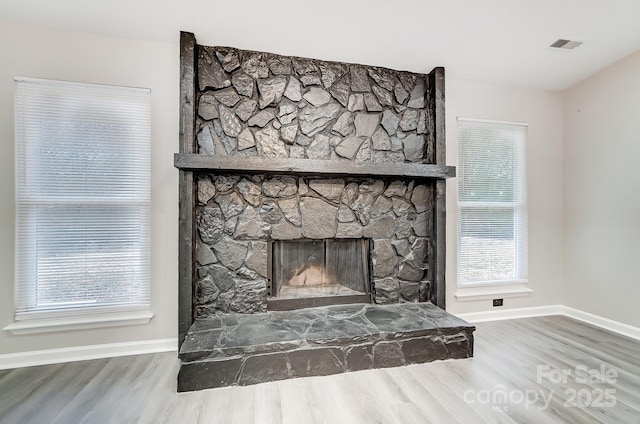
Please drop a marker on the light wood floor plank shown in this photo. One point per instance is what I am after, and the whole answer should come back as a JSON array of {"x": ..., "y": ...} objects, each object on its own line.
[{"x": 142, "y": 389}]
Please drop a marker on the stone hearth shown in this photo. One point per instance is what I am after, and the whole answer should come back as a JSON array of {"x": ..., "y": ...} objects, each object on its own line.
[{"x": 240, "y": 349}]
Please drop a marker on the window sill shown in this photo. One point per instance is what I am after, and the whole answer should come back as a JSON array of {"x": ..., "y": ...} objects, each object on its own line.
[
  {"x": 491, "y": 291},
  {"x": 78, "y": 322}
]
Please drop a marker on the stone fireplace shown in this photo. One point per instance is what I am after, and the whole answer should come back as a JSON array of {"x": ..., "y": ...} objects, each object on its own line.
[{"x": 305, "y": 183}]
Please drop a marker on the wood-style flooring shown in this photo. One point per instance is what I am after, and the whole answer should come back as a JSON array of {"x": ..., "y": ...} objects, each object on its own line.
[{"x": 539, "y": 370}]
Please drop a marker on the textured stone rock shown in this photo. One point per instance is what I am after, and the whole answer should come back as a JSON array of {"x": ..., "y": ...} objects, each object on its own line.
[
  {"x": 246, "y": 109},
  {"x": 253, "y": 65},
  {"x": 416, "y": 98},
  {"x": 387, "y": 157},
  {"x": 303, "y": 140},
  {"x": 288, "y": 133},
  {"x": 204, "y": 255},
  {"x": 206, "y": 291},
  {"x": 229, "y": 58},
  {"x": 400, "y": 206},
  {"x": 205, "y": 141},
  {"x": 340, "y": 91},
  {"x": 372, "y": 103},
  {"x": 387, "y": 290},
  {"x": 251, "y": 296},
  {"x": 359, "y": 79},
  {"x": 279, "y": 186},
  {"x": 422, "y": 123},
  {"x": 279, "y": 65},
  {"x": 328, "y": 188},
  {"x": 289, "y": 208},
  {"x": 409, "y": 121},
  {"x": 222, "y": 277},
  {"x": 390, "y": 122},
  {"x": 410, "y": 272},
  {"x": 223, "y": 144},
  {"x": 330, "y": 72},
  {"x": 207, "y": 107},
  {"x": 243, "y": 84},
  {"x": 304, "y": 66},
  {"x": 345, "y": 214},
  {"x": 250, "y": 191},
  {"x": 269, "y": 144},
  {"x": 230, "y": 204},
  {"x": 211, "y": 224},
  {"x": 206, "y": 190},
  {"x": 245, "y": 139},
  {"x": 270, "y": 212},
  {"x": 422, "y": 224},
  {"x": 317, "y": 96},
  {"x": 402, "y": 247},
  {"x": 228, "y": 96},
  {"x": 247, "y": 274},
  {"x": 362, "y": 207},
  {"x": 375, "y": 187},
  {"x": 408, "y": 80},
  {"x": 262, "y": 118},
  {"x": 349, "y": 147},
  {"x": 296, "y": 152},
  {"x": 349, "y": 230},
  {"x": 355, "y": 103},
  {"x": 225, "y": 183},
  {"x": 250, "y": 226},
  {"x": 366, "y": 124},
  {"x": 230, "y": 225},
  {"x": 257, "y": 257},
  {"x": 383, "y": 77},
  {"x": 420, "y": 197},
  {"x": 287, "y": 113},
  {"x": 308, "y": 80},
  {"x": 404, "y": 226},
  {"x": 230, "y": 123},
  {"x": 383, "y": 258},
  {"x": 319, "y": 148},
  {"x": 414, "y": 147},
  {"x": 384, "y": 96},
  {"x": 230, "y": 253},
  {"x": 349, "y": 194},
  {"x": 293, "y": 91},
  {"x": 400, "y": 93},
  {"x": 364, "y": 152},
  {"x": 315, "y": 119},
  {"x": 318, "y": 218},
  {"x": 271, "y": 90},
  {"x": 397, "y": 146},
  {"x": 384, "y": 227},
  {"x": 344, "y": 124},
  {"x": 284, "y": 230},
  {"x": 396, "y": 188},
  {"x": 381, "y": 140},
  {"x": 381, "y": 206},
  {"x": 210, "y": 72}
]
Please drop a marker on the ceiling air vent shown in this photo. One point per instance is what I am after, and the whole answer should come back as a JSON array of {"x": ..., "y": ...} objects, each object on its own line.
[{"x": 564, "y": 44}]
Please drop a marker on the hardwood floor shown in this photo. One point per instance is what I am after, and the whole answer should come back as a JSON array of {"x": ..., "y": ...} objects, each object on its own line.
[{"x": 523, "y": 360}]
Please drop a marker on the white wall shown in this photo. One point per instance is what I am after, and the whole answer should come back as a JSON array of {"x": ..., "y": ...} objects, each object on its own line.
[
  {"x": 601, "y": 183},
  {"x": 542, "y": 110},
  {"x": 38, "y": 52}
]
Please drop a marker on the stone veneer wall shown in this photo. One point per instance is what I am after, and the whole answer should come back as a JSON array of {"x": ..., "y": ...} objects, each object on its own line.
[
  {"x": 238, "y": 214},
  {"x": 266, "y": 105}
]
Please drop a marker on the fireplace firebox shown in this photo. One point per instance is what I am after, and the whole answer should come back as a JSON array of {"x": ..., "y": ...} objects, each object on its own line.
[{"x": 311, "y": 272}]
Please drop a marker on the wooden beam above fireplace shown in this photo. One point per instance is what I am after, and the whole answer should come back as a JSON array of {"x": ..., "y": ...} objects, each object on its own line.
[{"x": 254, "y": 165}]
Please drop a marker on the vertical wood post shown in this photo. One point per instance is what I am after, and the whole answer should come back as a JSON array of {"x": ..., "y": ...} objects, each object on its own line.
[
  {"x": 436, "y": 84},
  {"x": 186, "y": 184}
]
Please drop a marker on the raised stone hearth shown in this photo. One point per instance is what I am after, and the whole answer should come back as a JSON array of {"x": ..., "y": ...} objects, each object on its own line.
[{"x": 240, "y": 349}]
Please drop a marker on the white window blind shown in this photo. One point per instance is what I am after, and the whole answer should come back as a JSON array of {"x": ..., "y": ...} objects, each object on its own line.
[
  {"x": 82, "y": 198},
  {"x": 492, "y": 202}
]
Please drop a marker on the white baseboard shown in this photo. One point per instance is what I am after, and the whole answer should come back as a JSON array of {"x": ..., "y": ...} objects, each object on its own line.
[
  {"x": 83, "y": 353},
  {"x": 541, "y": 311},
  {"x": 515, "y": 313}
]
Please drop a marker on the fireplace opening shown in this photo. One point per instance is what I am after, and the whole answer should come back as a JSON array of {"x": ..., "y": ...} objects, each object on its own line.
[{"x": 306, "y": 273}]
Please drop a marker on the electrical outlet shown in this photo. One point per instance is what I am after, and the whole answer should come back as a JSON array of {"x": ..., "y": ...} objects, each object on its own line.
[{"x": 497, "y": 302}]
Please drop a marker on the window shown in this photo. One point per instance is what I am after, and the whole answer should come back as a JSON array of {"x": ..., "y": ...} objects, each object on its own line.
[
  {"x": 82, "y": 201},
  {"x": 492, "y": 202}
]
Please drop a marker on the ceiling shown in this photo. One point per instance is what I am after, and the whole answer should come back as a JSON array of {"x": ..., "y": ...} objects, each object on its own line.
[{"x": 501, "y": 41}]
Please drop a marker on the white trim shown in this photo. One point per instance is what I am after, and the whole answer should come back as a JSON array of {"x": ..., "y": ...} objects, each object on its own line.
[
  {"x": 78, "y": 322},
  {"x": 541, "y": 311},
  {"x": 84, "y": 353},
  {"x": 602, "y": 322},
  {"x": 491, "y": 121},
  {"x": 484, "y": 295},
  {"x": 515, "y": 313}
]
